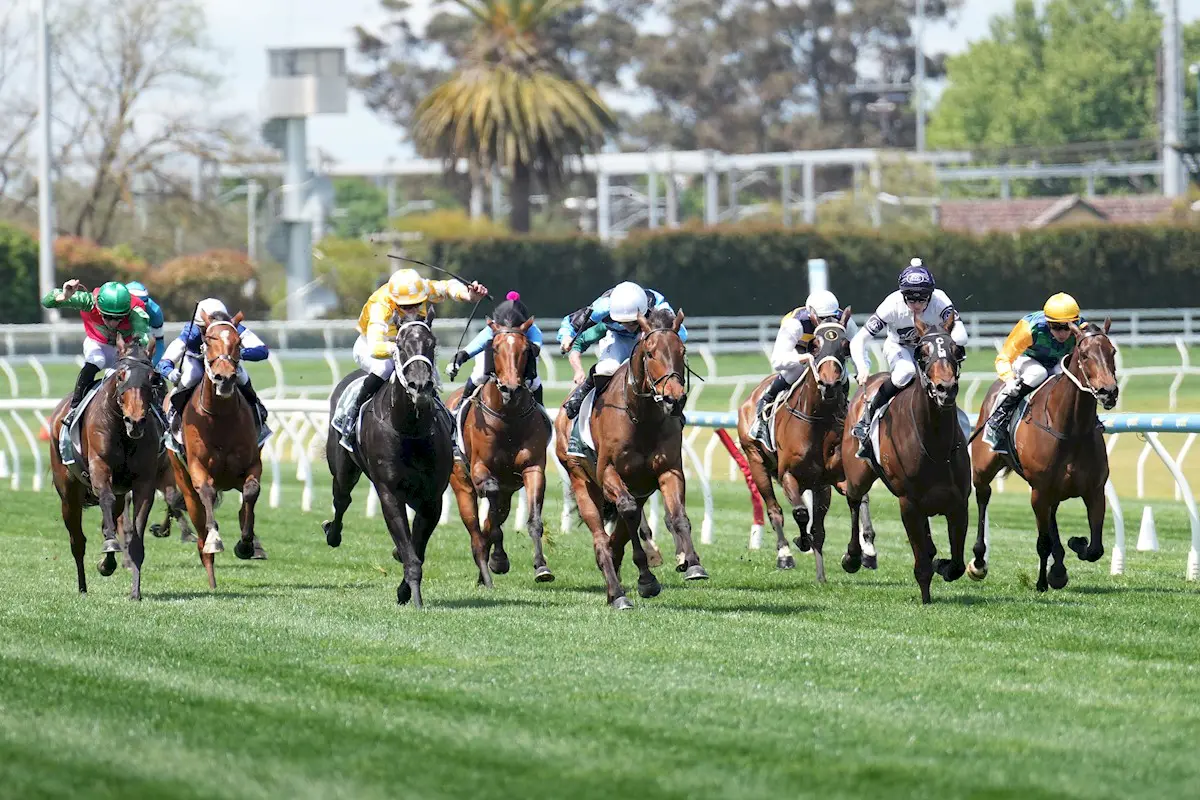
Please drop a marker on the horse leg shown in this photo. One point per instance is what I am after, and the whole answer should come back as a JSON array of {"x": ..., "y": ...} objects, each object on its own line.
[
  {"x": 499, "y": 507},
  {"x": 647, "y": 585},
  {"x": 1094, "y": 550},
  {"x": 72, "y": 514},
  {"x": 425, "y": 519},
  {"x": 535, "y": 494},
  {"x": 916, "y": 525},
  {"x": 1057, "y": 577},
  {"x": 345, "y": 478},
  {"x": 589, "y": 500},
  {"x": 822, "y": 496},
  {"x": 674, "y": 492},
  {"x": 110, "y": 509},
  {"x": 957, "y": 523},
  {"x": 870, "y": 559},
  {"x": 177, "y": 510},
  {"x": 208, "y": 500},
  {"x": 143, "y": 501},
  {"x": 468, "y": 509},
  {"x": 766, "y": 490},
  {"x": 1042, "y": 513},
  {"x": 981, "y": 476},
  {"x": 795, "y": 496},
  {"x": 195, "y": 510},
  {"x": 852, "y": 561},
  {"x": 249, "y": 546},
  {"x": 396, "y": 515}
]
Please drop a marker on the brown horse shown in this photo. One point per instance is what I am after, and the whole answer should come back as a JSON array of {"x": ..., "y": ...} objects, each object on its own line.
[
  {"x": 119, "y": 451},
  {"x": 1060, "y": 451},
  {"x": 637, "y": 425},
  {"x": 808, "y": 438},
  {"x": 220, "y": 442},
  {"x": 505, "y": 435},
  {"x": 922, "y": 456}
]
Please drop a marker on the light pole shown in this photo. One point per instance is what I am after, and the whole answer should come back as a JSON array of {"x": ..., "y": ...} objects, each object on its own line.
[{"x": 46, "y": 280}]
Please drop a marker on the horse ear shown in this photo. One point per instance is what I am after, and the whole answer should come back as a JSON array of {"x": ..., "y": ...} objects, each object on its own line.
[
  {"x": 950, "y": 321},
  {"x": 1075, "y": 330},
  {"x": 642, "y": 323},
  {"x": 237, "y": 318},
  {"x": 120, "y": 344},
  {"x": 205, "y": 318},
  {"x": 1107, "y": 324},
  {"x": 845, "y": 320},
  {"x": 679, "y": 317},
  {"x": 920, "y": 326},
  {"x": 491, "y": 323},
  {"x": 526, "y": 325}
]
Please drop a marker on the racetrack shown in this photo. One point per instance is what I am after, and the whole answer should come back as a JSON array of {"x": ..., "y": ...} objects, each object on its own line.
[{"x": 300, "y": 677}]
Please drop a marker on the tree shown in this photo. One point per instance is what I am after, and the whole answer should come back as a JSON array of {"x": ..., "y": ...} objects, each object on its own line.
[
  {"x": 360, "y": 208},
  {"x": 512, "y": 103}
]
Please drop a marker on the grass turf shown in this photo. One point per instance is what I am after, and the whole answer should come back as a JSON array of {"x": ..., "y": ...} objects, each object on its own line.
[{"x": 300, "y": 677}]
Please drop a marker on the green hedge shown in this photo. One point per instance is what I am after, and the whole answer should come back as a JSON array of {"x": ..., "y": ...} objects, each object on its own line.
[
  {"x": 763, "y": 270},
  {"x": 18, "y": 276}
]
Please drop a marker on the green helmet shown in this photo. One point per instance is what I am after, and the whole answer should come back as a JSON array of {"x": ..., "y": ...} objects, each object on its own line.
[{"x": 113, "y": 300}]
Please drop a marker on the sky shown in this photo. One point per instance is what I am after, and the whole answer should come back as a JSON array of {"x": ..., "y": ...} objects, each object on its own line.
[{"x": 244, "y": 29}]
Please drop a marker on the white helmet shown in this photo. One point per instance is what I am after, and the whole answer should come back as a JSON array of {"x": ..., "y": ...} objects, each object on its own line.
[
  {"x": 627, "y": 301},
  {"x": 210, "y": 306},
  {"x": 823, "y": 303}
]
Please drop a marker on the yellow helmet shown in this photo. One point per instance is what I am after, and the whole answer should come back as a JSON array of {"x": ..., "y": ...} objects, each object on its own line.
[
  {"x": 407, "y": 287},
  {"x": 1061, "y": 308}
]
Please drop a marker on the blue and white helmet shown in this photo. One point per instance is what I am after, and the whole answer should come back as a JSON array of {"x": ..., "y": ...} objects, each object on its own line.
[
  {"x": 137, "y": 289},
  {"x": 916, "y": 279}
]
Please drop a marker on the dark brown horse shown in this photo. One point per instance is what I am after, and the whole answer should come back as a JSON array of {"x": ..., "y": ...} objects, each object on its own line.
[
  {"x": 637, "y": 425},
  {"x": 808, "y": 439},
  {"x": 176, "y": 510},
  {"x": 505, "y": 435},
  {"x": 1060, "y": 451},
  {"x": 120, "y": 437},
  {"x": 922, "y": 456},
  {"x": 220, "y": 442}
]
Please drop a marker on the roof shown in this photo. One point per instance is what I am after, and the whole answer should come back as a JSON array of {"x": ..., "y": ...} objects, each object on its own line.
[{"x": 1010, "y": 216}]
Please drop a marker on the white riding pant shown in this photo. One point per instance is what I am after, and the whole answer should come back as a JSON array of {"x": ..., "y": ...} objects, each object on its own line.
[
  {"x": 477, "y": 372},
  {"x": 383, "y": 367},
  {"x": 900, "y": 359},
  {"x": 192, "y": 372},
  {"x": 791, "y": 372},
  {"x": 1030, "y": 373},
  {"x": 101, "y": 355},
  {"x": 612, "y": 352}
]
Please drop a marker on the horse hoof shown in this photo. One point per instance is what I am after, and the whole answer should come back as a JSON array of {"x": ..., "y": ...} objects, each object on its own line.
[
  {"x": 651, "y": 588},
  {"x": 695, "y": 573},
  {"x": 804, "y": 542},
  {"x": 243, "y": 550},
  {"x": 543, "y": 575},
  {"x": 1057, "y": 577},
  {"x": 331, "y": 539},
  {"x": 259, "y": 553},
  {"x": 187, "y": 537},
  {"x": 110, "y": 546},
  {"x": 870, "y": 562},
  {"x": 622, "y": 603},
  {"x": 948, "y": 569},
  {"x": 214, "y": 546},
  {"x": 851, "y": 564},
  {"x": 107, "y": 565},
  {"x": 158, "y": 531},
  {"x": 403, "y": 594},
  {"x": 500, "y": 566},
  {"x": 976, "y": 574},
  {"x": 1078, "y": 545},
  {"x": 785, "y": 562}
]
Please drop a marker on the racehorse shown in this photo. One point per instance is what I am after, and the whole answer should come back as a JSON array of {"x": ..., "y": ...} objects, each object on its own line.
[
  {"x": 404, "y": 448},
  {"x": 505, "y": 436},
  {"x": 637, "y": 426},
  {"x": 220, "y": 444},
  {"x": 1059, "y": 449},
  {"x": 120, "y": 437},
  {"x": 808, "y": 438},
  {"x": 922, "y": 458}
]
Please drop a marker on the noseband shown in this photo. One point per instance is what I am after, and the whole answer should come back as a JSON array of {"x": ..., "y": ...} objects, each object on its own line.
[
  {"x": 208, "y": 334},
  {"x": 1083, "y": 384},
  {"x": 944, "y": 350},
  {"x": 655, "y": 391},
  {"x": 830, "y": 332}
]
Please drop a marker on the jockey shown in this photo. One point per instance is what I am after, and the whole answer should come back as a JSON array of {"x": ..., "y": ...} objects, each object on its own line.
[
  {"x": 1033, "y": 351},
  {"x": 154, "y": 311},
  {"x": 610, "y": 320},
  {"x": 795, "y": 337},
  {"x": 106, "y": 312},
  {"x": 405, "y": 291},
  {"x": 183, "y": 363},
  {"x": 483, "y": 342},
  {"x": 916, "y": 297}
]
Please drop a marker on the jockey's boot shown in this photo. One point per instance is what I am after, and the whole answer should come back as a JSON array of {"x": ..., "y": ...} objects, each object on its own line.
[
  {"x": 768, "y": 397},
  {"x": 886, "y": 391},
  {"x": 575, "y": 401},
  {"x": 468, "y": 390},
  {"x": 256, "y": 405},
  {"x": 179, "y": 401},
  {"x": 997, "y": 424},
  {"x": 370, "y": 386},
  {"x": 87, "y": 376},
  {"x": 539, "y": 395}
]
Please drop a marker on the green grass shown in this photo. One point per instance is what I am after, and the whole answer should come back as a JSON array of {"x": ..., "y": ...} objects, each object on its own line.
[{"x": 300, "y": 677}]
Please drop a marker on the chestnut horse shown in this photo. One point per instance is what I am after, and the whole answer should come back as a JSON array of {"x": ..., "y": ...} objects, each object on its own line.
[
  {"x": 220, "y": 442},
  {"x": 120, "y": 437},
  {"x": 1059, "y": 449},
  {"x": 505, "y": 435},
  {"x": 808, "y": 439},
  {"x": 637, "y": 425},
  {"x": 922, "y": 458}
]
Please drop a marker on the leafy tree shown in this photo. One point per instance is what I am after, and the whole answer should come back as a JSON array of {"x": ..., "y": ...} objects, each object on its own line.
[{"x": 361, "y": 207}]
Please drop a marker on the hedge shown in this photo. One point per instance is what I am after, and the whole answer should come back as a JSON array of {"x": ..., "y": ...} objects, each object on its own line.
[
  {"x": 745, "y": 271},
  {"x": 224, "y": 274},
  {"x": 18, "y": 276}
]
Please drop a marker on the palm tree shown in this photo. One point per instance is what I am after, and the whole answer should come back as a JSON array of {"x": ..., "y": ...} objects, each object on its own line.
[{"x": 512, "y": 103}]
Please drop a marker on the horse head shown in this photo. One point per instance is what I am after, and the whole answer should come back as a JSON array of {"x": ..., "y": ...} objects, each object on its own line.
[
  {"x": 830, "y": 348},
  {"x": 511, "y": 351},
  {"x": 416, "y": 348},
  {"x": 938, "y": 359},
  {"x": 1095, "y": 361},
  {"x": 222, "y": 350},
  {"x": 136, "y": 386},
  {"x": 659, "y": 365}
]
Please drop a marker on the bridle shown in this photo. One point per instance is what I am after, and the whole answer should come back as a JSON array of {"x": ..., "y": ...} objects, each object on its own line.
[
  {"x": 528, "y": 349},
  {"x": 235, "y": 361},
  {"x": 656, "y": 384},
  {"x": 945, "y": 349},
  {"x": 1083, "y": 384},
  {"x": 418, "y": 358}
]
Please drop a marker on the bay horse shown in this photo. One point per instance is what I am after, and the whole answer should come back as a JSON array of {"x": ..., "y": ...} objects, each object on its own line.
[
  {"x": 220, "y": 443},
  {"x": 404, "y": 448},
  {"x": 505, "y": 435},
  {"x": 922, "y": 456},
  {"x": 637, "y": 425},
  {"x": 120, "y": 437},
  {"x": 808, "y": 438},
  {"x": 1059, "y": 450}
]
